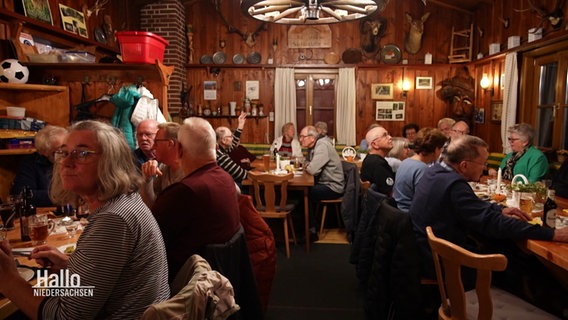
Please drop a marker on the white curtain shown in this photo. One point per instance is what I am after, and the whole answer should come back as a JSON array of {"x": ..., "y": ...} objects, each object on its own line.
[
  {"x": 510, "y": 97},
  {"x": 284, "y": 100},
  {"x": 345, "y": 95}
]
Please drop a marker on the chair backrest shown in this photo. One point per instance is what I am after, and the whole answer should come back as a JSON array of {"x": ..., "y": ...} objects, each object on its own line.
[
  {"x": 448, "y": 260},
  {"x": 266, "y": 201}
]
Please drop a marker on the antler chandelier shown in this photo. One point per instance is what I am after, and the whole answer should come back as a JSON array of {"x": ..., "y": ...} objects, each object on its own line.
[{"x": 310, "y": 11}]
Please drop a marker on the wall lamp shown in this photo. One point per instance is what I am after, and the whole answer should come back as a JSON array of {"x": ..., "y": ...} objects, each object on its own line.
[
  {"x": 405, "y": 87},
  {"x": 485, "y": 84}
]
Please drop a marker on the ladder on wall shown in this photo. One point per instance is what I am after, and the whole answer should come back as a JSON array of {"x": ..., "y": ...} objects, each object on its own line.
[{"x": 461, "y": 46}]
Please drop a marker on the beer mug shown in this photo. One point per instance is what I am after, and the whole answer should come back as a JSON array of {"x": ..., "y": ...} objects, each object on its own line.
[{"x": 40, "y": 228}]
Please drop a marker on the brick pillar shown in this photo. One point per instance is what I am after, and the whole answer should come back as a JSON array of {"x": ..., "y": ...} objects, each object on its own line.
[{"x": 167, "y": 19}]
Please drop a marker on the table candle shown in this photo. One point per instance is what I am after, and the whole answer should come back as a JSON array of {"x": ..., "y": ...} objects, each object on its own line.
[
  {"x": 277, "y": 162},
  {"x": 499, "y": 177}
]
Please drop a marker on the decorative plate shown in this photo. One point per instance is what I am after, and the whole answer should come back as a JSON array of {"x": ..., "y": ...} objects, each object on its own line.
[
  {"x": 331, "y": 58},
  {"x": 238, "y": 58},
  {"x": 391, "y": 54},
  {"x": 100, "y": 35},
  {"x": 206, "y": 59},
  {"x": 219, "y": 57},
  {"x": 348, "y": 153},
  {"x": 352, "y": 55},
  {"x": 253, "y": 58}
]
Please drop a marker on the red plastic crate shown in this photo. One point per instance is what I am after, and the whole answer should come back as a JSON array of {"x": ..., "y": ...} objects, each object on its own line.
[{"x": 141, "y": 46}]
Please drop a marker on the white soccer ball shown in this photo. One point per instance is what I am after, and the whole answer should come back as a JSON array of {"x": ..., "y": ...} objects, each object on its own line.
[{"x": 12, "y": 71}]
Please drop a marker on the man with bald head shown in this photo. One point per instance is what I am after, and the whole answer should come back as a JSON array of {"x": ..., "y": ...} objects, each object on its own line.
[
  {"x": 375, "y": 168},
  {"x": 202, "y": 208},
  {"x": 228, "y": 141},
  {"x": 145, "y": 135}
]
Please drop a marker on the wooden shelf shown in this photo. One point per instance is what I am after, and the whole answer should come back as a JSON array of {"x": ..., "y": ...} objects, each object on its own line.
[
  {"x": 32, "y": 87},
  {"x": 52, "y": 33},
  {"x": 13, "y": 152}
]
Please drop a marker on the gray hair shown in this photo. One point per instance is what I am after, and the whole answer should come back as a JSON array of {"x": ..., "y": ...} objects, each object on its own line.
[
  {"x": 117, "y": 172},
  {"x": 464, "y": 148},
  {"x": 322, "y": 127},
  {"x": 398, "y": 146},
  {"x": 171, "y": 129},
  {"x": 449, "y": 121},
  {"x": 197, "y": 138},
  {"x": 524, "y": 130},
  {"x": 45, "y": 138},
  {"x": 221, "y": 132}
]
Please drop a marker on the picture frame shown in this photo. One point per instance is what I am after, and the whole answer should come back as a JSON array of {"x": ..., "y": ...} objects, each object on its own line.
[
  {"x": 38, "y": 9},
  {"x": 423, "y": 83},
  {"x": 210, "y": 90},
  {"x": 73, "y": 21},
  {"x": 496, "y": 110},
  {"x": 252, "y": 89},
  {"x": 382, "y": 91},
  {"x": 390, "y": 110},
  {"x": 479, "y": 115}
]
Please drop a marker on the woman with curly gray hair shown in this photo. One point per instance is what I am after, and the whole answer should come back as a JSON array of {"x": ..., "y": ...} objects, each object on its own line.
[{"x": 525, "y": 158}]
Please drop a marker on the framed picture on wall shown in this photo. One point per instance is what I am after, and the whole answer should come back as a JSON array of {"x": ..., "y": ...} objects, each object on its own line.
[
  {"x": 38, "y": 9},
  {"x": 381, "y": 91},
  {"x": 210, "y": 90},
  {"x": 480, "y": 115},
  {"x": 390, "y": 111},
  {"x": 496, "y": 110},
  {"x": 73, "y": 21},
  {"x": 252, "y": 89},
  {"x": 423, "y": 82}
]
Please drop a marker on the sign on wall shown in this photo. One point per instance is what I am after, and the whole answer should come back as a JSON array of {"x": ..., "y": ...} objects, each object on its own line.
[
  {"x": 390, "y": 110},
  {"x": 314, "y": 36}
]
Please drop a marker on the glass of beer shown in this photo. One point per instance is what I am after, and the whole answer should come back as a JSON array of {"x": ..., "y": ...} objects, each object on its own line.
[
  {"x": 266, "y": 162},
  {"x": 40, "y": 227}
]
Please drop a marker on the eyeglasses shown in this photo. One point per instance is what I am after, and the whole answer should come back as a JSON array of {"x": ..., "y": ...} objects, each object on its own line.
[
  {"x": 77, "y": 155},
  {"x": 484, "y": 165},
  {"x": 513, "y": 139},
  {"x": 303, "y": 136}
]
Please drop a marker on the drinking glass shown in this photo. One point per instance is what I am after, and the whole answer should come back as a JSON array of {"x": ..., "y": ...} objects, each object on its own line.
[
  {"x": 40, "y": 227},
  {"x": 71, "y": 229}
]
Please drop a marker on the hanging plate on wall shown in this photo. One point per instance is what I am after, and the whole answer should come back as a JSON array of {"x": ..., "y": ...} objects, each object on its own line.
[
  {"x": 219, "y": 57},
  {"x": 391, "y": 54},
  {"x": 253, "y": 58},
  {"x": 238, "y": 58},
  {"x": 206, "y": 59},
  {"x": 331, "y": 58},
  {"x": 352, "y": 55}
]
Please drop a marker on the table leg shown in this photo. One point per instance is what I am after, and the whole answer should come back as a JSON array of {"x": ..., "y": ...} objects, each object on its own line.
[{"x": 307, "y": 218}]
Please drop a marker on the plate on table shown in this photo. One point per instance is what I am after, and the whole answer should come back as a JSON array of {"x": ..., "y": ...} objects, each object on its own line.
[
  {"x": 26, "y": 273},
  {"x": 68, "y": 249}
]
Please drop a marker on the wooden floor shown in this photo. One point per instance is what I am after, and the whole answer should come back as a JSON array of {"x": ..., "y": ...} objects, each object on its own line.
[{"x": 333, "y": 236}]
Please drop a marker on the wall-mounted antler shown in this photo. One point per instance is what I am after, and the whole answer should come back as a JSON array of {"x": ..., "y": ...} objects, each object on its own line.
[
  {"x": 248, "y": 37},
  {"x": 555, "y": 17}
]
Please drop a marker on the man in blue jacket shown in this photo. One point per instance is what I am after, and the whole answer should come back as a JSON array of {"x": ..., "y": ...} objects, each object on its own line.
[{"x": 445, "y": 200}]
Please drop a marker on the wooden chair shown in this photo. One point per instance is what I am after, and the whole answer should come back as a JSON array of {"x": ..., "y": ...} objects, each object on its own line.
[
  {"x": 448, "y": 261},
  {"x": 266, "y": 201}
]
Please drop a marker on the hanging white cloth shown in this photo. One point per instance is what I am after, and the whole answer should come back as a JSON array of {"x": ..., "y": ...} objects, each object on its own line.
[
  {"x": 345, "y": 109},
  {"x": 510, "y": 98},
  {"x": 146, "y": 108},
  {"x": 284, "y": 100}
]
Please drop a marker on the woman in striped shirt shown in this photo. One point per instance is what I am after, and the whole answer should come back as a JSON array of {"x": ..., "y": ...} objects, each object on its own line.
[{"x": 120, "y": 254}]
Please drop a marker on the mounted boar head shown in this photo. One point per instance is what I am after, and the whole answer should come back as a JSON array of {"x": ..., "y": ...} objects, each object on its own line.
[{"x": 413, "y": 42}]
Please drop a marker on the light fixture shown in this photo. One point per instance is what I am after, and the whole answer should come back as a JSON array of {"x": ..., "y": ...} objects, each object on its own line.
[
  {"x": 485, "y": 84},
  {"x": 310, "y": 11},
  {"x": 405, "y": 87}
]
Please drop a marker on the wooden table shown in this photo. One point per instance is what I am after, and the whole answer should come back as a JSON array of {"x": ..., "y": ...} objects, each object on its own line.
[
  {"x": 57, "y": 240},
  {"x": 299, "y": 182},
  {"x": 553, "y": 252}
]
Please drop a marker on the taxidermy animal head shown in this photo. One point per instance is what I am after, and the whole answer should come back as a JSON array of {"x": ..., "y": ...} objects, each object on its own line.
[
  {"x": 554, "y": 17},
  {"x": 413, "y": 42},
  {"x": 371, "y": 33}
]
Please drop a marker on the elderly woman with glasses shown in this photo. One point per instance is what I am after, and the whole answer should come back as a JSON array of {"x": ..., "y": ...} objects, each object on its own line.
[
  {"x": 525, "y": 158},
  {"x": 120, "y": 254}
]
